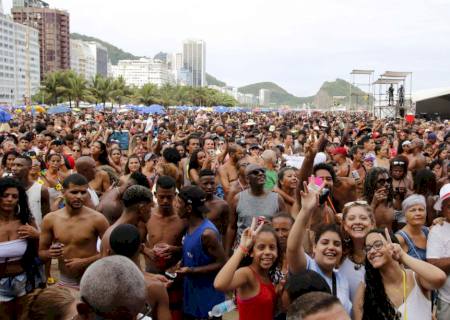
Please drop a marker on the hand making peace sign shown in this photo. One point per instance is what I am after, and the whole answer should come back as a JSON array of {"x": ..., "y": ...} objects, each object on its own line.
[
  {"x": 249, "y": 234},
  {"x": 394, "y": 249}
]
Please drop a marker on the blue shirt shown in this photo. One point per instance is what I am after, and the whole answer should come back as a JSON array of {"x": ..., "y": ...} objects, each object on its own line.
[{"x": 199, "y": 293}]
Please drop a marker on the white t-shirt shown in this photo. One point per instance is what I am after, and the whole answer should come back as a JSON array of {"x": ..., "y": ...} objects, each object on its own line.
[
  {"x": 438, "y": 246},
  {"x": 342, "y": 289},
  {"x": 354, "y": 274}
]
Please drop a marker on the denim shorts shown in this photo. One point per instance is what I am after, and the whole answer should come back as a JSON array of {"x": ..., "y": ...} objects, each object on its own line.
[{"x": 13, "y": 287}]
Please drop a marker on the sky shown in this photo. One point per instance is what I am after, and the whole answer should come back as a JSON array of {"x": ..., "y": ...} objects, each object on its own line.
[{"x": 297, "y": 44}]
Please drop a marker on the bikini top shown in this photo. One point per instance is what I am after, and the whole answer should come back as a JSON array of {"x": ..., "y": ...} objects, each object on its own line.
[{"x": 12, "y": 250}]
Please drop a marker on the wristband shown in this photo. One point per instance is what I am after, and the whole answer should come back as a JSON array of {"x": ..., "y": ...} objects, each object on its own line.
[{"x": 243, "y": 249}]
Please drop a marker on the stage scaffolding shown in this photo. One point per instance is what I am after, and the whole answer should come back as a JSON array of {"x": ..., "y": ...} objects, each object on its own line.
[
  {"x": 362, "y": 79},
  {"x": 381, "y": 93}
]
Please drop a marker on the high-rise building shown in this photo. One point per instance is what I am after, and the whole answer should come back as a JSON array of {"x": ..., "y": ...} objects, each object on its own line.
[
  {"x": 264, "y": 97},
  {"x": 88, "y": 58},
  {"x": 30, "y": 3},
  {"x": 140, "y": 72},
  {"x": 19, "y": 62},
  {"x": 194, "y": 60},
  {"x": 54, "y": 32}
]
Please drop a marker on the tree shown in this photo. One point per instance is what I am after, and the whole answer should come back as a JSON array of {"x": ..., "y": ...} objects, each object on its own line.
[
  {"x": 120, "y": 91},
  {"x": 148, "y": 94},
  {"x": 52, "y": 87},
  {"x": 76, "y": 88},
  {"x": 101, "y": 89}
]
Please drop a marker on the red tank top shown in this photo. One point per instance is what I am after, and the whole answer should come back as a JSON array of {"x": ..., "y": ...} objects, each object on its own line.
[{"x": 259, "y": 307}]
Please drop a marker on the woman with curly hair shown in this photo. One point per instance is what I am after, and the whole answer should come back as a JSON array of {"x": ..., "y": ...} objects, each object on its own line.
[
  {"x": 379, "y": 194},
  {"x": 7, "y": 162},
  {"x": 19, "y": 240},
  {"x": 397, "y": 286}
]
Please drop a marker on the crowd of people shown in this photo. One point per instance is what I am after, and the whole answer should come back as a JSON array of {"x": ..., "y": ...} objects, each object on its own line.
[{"x": 279, "y": 215}]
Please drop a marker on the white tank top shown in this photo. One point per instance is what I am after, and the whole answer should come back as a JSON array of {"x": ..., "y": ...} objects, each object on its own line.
[
  {"x": 34, "y": 202},
  {"x": 418, "y": 306}
]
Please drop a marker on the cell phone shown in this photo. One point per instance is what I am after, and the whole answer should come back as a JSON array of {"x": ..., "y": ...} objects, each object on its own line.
[
  {"x": 171, "y": 275},
  {"x": 318, "y": 181}
]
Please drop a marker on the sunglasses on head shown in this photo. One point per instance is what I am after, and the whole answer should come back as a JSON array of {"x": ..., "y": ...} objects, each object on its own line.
[
  {"x": 356, "y": 203},
  {"x": 398, "y": 163}
]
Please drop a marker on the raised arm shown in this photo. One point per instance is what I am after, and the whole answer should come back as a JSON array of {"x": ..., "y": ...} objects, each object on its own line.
[
  {"x": 295, "y": 252},
  {"x": 229, "y": 278}
]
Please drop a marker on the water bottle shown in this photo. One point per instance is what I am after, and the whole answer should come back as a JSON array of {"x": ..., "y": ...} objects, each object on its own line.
[{"x": 220, "y": 309}]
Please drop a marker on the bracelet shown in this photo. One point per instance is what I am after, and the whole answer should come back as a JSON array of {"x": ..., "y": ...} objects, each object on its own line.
[{"x": 243, "y": 249}]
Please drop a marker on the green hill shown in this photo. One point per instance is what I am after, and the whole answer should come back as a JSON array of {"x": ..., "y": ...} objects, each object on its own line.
[
  {"x": 115, "y": 54},
  {"x": 277, "y": 94},
  {"x": 210, "y": 80}
]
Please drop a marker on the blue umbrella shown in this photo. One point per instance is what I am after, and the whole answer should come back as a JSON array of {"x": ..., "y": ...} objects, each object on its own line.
[
  {"x": 58, "y": 109},
  {"x": 4, "y": 116}
]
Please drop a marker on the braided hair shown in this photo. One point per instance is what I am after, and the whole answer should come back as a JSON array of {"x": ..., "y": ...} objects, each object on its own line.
[{"x": 376, "y": 304}]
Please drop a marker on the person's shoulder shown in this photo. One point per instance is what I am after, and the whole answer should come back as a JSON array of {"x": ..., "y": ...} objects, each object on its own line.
[{"x": 440, "y": 229}]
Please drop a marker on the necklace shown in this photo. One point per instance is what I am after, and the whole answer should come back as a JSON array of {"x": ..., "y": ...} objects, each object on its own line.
[{"x": 358, "y": 265}]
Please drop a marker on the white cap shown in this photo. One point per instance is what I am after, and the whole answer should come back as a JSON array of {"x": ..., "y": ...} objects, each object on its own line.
[
  {"x": 444, "y": 194},
  {"x": 320, "y": 158},
  {"x": 405, "y": 143}
]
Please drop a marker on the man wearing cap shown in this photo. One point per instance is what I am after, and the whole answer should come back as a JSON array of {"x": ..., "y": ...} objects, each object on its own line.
[
  {"x": 432, "y": 141},
  {"x": 416, "y": 158},
  {"x": 203, "y": 255},
  {"x": 250, "y": 203},
  {"x": 255, "y": 154},
  {"x": 438, "y": 252},
  {"x": 343, "y": 165}
]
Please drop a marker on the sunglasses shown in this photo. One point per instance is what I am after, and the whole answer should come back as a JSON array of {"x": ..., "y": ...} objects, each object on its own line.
[
  {"x": 384, "y": 181},
  {"x": 398, "y": 163},
  {"x": 356, "y": 203},
  {"x": 257, "y": 172},
  {"x": 76, "y": 150}
]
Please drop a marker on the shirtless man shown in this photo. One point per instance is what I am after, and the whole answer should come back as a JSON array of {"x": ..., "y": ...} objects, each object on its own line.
[
  {"x": 343, "y": 165},
  {"x": 111, "y": 202},
  {"x": 138, "y": 203},
  {"x": 417, "y": 160},
  {"x": 193, "y": 143},
  {"x": 218, "y": 208},
  {"x": 99, "y": 180},
  {"x": 164, "y": 228},
  {"x": 70, "y": 234},
  {"x": 229, "y": 172},
  {"x": 357, "y": 169}
]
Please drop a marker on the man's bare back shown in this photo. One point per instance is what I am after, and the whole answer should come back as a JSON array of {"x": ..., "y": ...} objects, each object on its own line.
[{"x": 218, "y": 214}]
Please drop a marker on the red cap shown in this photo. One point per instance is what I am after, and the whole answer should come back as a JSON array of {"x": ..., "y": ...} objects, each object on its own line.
[{"x": 340, "y": 150}]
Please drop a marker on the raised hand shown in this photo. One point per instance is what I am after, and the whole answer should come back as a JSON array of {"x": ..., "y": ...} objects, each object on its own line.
[
  {"x": 394, "y": 249},
  {"x": 249, "y": 235},
  {"x": 310, "y": 196}
]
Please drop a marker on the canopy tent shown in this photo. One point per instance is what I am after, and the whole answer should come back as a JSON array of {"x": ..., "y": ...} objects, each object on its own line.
[
  {"x": 58, "y": 109},
  {"x": 433, "y": 102}
]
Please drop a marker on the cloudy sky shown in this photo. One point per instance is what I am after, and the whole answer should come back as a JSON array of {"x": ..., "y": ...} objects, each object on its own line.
[{"x": 297, "y": 44}]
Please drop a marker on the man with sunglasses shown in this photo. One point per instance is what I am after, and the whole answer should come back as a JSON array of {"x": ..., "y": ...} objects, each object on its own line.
[{"x": 250, "y": 203}]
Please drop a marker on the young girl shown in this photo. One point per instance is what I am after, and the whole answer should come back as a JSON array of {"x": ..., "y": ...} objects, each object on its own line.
[{"x": 255, "y": 293}]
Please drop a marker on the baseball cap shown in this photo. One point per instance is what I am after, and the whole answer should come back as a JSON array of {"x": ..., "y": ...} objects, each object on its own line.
[
  {"x": 444, "y": 194},
  {"x": 432, "y": 136},
  {"x": 194, "y": 196},
  {"x": 255, "y": 146},
  {"x": 252, "y": 167},
  {"x": 406, "y": 143},
  {"x": 340, "y": 150}
]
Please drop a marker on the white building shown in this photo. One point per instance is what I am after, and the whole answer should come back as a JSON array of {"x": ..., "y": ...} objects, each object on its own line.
[
  {"x": 19, "y": 62},
  {"x": 88, "y": 58},
  {"x": 246, "y": 99},
  {"x": 194, "y": 60},
  {"x": 140, "y": 72},
  {"x": 264, "y": 97}
]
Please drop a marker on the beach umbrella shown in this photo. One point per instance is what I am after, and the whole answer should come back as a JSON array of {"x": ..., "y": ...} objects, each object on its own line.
[
  {"x": 57, "y": 109},
  {"x": 38, "y": 109},
  {"x": 4, "y": 116}
]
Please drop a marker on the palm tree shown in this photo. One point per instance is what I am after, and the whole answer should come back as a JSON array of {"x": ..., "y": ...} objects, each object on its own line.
[
  {"x": 53, "y": 87},
  {"x": 120, "y": 90},
  {"x": 76, "y": 88},
  {"x": 167, "y": 93},
  {"x": 148, "y": 94},
  {"x": 101, "y": 89}
]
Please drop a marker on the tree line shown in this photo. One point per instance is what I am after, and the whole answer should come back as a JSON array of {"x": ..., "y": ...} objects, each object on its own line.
[{"x": 68, "y": 86}]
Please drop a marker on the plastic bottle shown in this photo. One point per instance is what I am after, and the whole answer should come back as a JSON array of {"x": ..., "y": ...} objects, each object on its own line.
[{"x": 220, "y": 309}]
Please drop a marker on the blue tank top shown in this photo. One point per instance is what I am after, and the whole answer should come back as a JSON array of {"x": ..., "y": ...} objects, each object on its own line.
[
  {"x": 199, "y": 293},
  {"x": 413, "y": 250}
]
